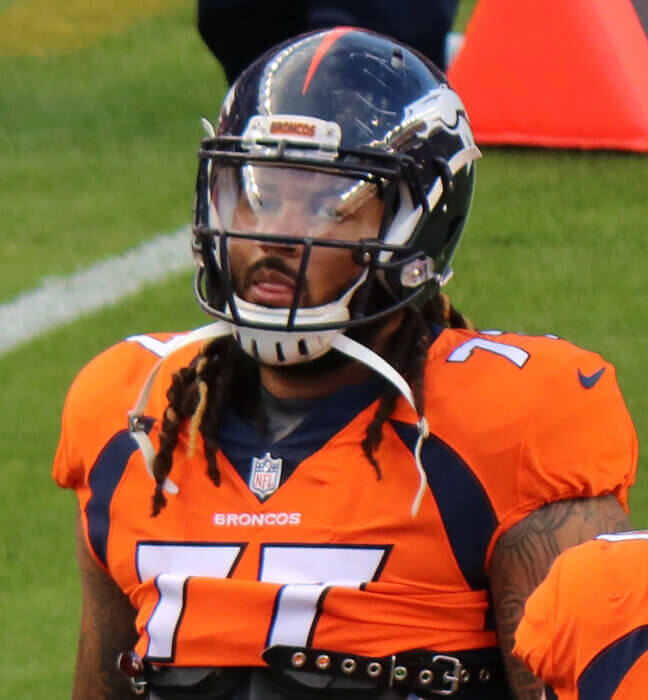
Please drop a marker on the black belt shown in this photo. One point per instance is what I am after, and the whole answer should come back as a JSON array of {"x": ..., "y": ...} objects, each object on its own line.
[{"x": 422, "y": 672}]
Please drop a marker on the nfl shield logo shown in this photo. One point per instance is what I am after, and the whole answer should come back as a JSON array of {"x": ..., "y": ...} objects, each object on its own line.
[{"x": 265, "y": 476}]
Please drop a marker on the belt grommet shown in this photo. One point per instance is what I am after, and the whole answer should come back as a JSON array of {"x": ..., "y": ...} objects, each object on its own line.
[
  {"x": 323, "y": 662},
  {"x": 425, "y": 676},
  {"x": 374, "y": 669},
  {"x": 348, "y": 665},
  {"x": 484, "y": 675},
  {"x": 400, "y": 673},
  {"x": 298, "y": 659}
]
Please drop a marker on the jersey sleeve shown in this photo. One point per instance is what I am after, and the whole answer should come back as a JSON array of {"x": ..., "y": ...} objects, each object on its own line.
[
  {"x": 66, "y": 471},
  {"x": 579, "y": 441},
  {"x": 85, "y": 409},
  {"x": 97, "y": 405}
]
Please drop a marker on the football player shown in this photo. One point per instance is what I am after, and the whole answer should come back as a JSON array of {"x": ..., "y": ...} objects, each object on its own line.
[
  {"x": 339, "y": 488},
  {"x": 585, "y": 628}
]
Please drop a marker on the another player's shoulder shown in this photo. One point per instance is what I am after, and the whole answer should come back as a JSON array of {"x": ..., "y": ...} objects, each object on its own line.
[
  {"x": 609, "y": 572},
  {"x": 618, "y": 559}
]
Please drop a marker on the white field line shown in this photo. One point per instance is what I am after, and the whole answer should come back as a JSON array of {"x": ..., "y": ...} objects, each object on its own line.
[{"x": 58, "y": 300}]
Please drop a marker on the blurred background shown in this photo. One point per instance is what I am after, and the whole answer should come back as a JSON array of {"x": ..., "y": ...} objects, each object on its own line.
[{"x": 100, "y": 126}]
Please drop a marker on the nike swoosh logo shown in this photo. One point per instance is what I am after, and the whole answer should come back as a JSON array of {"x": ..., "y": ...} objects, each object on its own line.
[{"x": 589, "y": 380}]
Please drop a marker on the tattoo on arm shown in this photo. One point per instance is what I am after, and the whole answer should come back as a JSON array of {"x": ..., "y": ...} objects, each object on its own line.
[{"x": 522, "y": 558}]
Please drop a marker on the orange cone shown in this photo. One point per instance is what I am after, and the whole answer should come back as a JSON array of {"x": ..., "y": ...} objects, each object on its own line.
[{"x": 563, "y": 73}]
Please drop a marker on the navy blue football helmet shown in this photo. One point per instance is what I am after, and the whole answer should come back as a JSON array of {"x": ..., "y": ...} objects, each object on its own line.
[{"x": 378, "y": 120}]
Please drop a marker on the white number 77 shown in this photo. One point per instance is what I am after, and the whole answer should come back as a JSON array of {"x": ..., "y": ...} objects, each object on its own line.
[{"x": 306, "y": 570}]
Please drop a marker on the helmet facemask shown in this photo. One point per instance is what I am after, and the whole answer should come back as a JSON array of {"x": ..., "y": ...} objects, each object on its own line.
[{"x": 348, "y": 206}]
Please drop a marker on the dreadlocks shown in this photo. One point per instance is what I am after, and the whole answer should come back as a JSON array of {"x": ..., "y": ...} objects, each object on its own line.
[{"x": 221, "y": 376}]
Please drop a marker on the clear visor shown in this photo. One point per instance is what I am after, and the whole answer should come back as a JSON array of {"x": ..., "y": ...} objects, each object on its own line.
[{"x": 294, "y": 202}]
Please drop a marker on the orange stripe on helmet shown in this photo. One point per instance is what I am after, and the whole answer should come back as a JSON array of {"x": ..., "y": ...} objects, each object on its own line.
[{"x": 330, "y": 38}]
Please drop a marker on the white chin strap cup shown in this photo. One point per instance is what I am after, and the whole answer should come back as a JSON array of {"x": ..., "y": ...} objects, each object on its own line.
[{"x": 282, "y": 347}]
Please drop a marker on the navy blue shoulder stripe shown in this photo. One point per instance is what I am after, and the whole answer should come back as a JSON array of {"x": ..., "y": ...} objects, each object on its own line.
[
  {"x": 606, "y": 670},
  {"x": 105, "y": 474},
  {"x": 465, "y": 508}
]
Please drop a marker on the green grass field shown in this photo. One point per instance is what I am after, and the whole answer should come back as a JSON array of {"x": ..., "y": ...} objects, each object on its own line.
[{"x": 100, "y": 125}]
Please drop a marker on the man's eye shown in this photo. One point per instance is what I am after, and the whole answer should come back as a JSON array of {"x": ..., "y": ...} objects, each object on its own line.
[
  {"x": 270, "y": 204},
  {"x": 334, "y": 214},
  {"x": 263, "y": 205},
  {"x": 329, "y": 210}
]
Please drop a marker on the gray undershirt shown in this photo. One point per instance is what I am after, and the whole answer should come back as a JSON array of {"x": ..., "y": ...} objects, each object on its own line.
[{"x": 283, "y": 415}]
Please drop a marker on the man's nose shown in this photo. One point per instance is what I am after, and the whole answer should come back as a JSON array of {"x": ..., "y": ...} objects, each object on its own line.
[
  {"x": 288, "y": 250},
  {"x": 289, "y": 220}
]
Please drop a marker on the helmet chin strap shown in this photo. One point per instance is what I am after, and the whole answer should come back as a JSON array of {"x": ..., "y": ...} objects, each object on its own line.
[
  {"x": 339, "y": 341},
  {"x": 363, "y": 354},
  {"x": 136, "y": 422}
]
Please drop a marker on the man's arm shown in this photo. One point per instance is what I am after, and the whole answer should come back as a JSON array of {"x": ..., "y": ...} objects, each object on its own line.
[
  {"x": 107, "y": 628},
  {"x": 522, "y": 558}
]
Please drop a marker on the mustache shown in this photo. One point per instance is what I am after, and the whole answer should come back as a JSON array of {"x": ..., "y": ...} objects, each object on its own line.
[
  {"x": 269, "y": 263},
  {"x": 277, "y": 264}
]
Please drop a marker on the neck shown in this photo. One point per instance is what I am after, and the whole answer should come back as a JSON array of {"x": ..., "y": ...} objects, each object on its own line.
[
  {"x": 328, "y": 374},
  {"x": 306, "y": 382}
]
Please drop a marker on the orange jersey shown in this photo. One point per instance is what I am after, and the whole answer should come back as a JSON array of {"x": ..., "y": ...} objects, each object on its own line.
[
  {"x": 334, "y": 558},
  {"x": 585, "y": 628}
]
